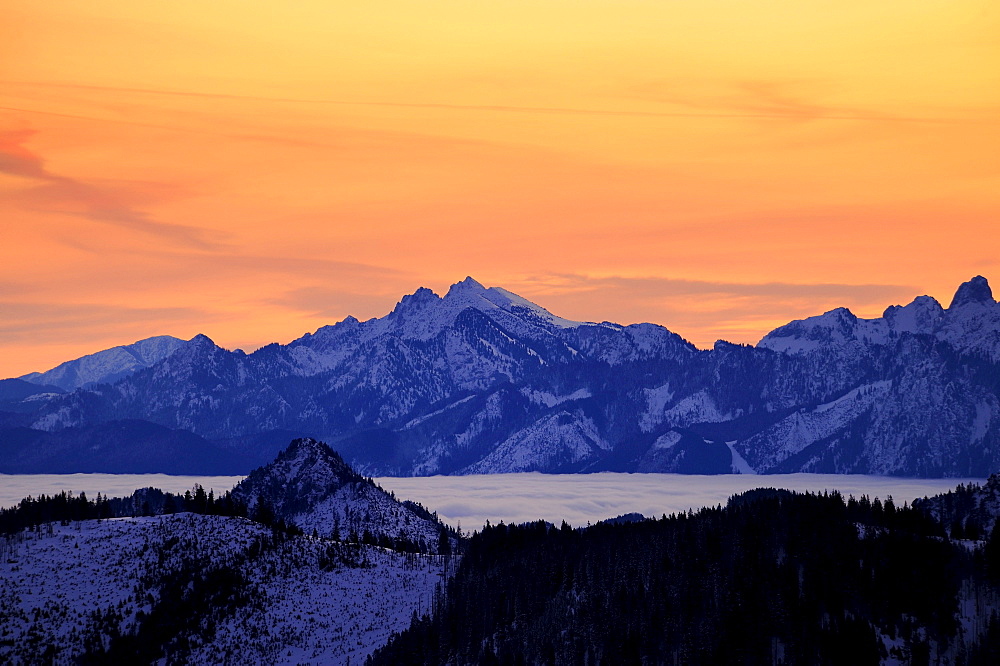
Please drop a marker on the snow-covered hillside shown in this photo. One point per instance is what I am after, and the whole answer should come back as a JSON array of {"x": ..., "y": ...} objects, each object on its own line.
[
  {"x": 107, "y": 366},
  {"x": 201, "y": 590}
]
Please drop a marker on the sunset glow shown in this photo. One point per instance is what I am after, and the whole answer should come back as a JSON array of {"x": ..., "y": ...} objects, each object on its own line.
[{"x": 253, "y": 171}]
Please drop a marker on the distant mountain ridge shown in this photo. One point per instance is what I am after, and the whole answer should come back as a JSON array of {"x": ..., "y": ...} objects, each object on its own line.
[
  {"x": 483, "y": 381},
  {"x": 970, "y": 325},
  {"x": 108, "y": 366}
]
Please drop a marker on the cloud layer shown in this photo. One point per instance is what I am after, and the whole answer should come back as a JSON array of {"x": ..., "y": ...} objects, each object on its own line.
[
  {"x": 515, "y": 498},
  {"x": 587, "y": 498}
]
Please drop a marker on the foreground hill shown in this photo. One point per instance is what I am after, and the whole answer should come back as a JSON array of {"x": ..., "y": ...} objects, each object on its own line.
[
  {"x": 483, "y": 381},
  {"x": 192, "y": 579},
  {"x": 774, "y": 577},
  {"x": 200, "y": 589}
]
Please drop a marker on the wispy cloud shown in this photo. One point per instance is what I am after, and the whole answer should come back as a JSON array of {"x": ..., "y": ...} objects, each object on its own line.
[
  {"x": 105, "y": 203},
  {"x": 798, "y": 101},
  {"x": 661, "y": 286},
  {"x": 752, "y": 99},
  {"x": 48, "y": 322},
  {"x": 703, "y": 310}
]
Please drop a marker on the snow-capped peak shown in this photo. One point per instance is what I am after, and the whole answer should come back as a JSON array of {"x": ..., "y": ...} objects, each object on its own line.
[
  {"x": 972, "y": 321},
  {"x": 304, "y": 472},
  {"x": 803, "y": 335},
  {"x": 513, "y": 301},
  {"x": 922, "y": 315},
  {"x": 202, "y": 340},
  {"x": 110, "y": 365},
  {"x": 424, "y": 314},
  {"x": 470, "y": 293},
  {"x": 468, "y": 286}
]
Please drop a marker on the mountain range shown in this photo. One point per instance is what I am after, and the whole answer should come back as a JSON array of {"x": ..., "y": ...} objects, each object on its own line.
[{"x": 481, "y": 380}]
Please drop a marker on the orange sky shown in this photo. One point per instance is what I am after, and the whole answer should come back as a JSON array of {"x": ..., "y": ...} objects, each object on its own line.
[{"x": 252, "y": 171}]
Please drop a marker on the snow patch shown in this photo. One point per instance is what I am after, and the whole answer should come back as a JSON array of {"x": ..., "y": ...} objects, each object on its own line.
[
  {"x": 421, "y": 419},
  {"x": 667, "y": 441},
  {"x": 550, "y": 400},
  {"x": 740, "y": 465},
  {"x": 656, "y": 403},
  {"x": 981, "y": 424}
]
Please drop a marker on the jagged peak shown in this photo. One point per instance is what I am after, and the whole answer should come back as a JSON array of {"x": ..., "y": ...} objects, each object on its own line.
[
  {"x": 467, "y": 286},
  {"x": 418, "y": 299},
  {"x": 976, "y": 290},
  {"x": 348, "y": 322}
]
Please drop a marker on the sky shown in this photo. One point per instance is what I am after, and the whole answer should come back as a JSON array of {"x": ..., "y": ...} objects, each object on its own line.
[{"x": 253, "y": 171}]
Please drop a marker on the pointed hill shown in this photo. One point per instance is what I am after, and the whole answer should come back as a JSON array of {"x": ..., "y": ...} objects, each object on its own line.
[{"x": 309, "y": 485}]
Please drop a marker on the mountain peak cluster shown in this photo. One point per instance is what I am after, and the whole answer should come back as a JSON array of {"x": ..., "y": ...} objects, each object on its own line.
[{"x": 481, "y": 380}]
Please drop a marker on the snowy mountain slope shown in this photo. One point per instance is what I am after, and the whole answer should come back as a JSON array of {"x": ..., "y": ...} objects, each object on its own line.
[
  {"x": 310, "y": 486},
  {"x": 563, "y": 441},
  {"x": 789, "y": 436},
  {"x": 482, "y": 380},
  {"x": 108, "y": 366},
  {"x": 972, "y": 322},
  {"x": 203, "y": 590}
]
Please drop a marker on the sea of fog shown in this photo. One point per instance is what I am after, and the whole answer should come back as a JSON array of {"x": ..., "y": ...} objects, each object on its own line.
[{"x": 514, "y": 498}]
